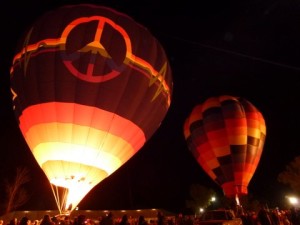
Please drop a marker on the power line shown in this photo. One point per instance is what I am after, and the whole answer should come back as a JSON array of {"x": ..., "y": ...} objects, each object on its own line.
[{"x": 238, "y": 54}]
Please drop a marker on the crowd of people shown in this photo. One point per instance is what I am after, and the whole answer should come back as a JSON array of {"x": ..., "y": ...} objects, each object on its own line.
[
  {"x": 276, "y": 216},
  {"x": 263, "y": 216},
  {"x": 109, "y": 219}
]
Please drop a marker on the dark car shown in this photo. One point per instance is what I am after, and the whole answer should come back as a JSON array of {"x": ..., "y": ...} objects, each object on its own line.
[{"x": 220, "y": 217}]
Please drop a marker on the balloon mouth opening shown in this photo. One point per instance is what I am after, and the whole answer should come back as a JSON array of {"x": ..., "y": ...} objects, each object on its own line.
[
  {"x": 70, "y": 187},
  {"x": 231, "y": 189},
  {"x": 67, "y": 199}
]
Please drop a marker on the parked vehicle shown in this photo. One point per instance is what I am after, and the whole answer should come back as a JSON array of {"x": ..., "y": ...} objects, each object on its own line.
[{"x": 219, "y": 217}]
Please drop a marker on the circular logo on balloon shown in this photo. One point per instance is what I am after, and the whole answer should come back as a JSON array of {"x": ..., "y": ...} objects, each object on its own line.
[{"x": 97, "y": 49}]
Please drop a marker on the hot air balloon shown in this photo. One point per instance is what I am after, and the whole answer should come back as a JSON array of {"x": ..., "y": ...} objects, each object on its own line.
[
  {"x": 90, "y": 86},
  {"x": 226, "y": 136}
]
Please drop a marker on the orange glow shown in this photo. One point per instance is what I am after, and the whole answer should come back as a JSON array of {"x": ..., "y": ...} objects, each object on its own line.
[{"x": 78, "y": 156}]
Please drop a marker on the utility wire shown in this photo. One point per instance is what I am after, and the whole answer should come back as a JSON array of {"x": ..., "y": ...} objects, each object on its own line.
[{"x": 238, "y": 54}]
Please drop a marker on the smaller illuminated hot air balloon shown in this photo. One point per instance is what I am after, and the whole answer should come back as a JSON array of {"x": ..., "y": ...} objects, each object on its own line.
[{"x": 226, "y": 135}]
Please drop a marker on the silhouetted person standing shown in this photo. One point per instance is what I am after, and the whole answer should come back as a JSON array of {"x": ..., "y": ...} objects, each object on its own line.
[
  {"x": 124, "y": 220},
  {"x": 47, "y": 220},
  {"x": 142, "y": 220},
  {"x": 160, "y": 218},
  {"x": 263, "y": 216},
  {"x": 108, "y": 220}
]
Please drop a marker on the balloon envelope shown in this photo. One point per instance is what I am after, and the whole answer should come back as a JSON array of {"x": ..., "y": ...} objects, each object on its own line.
[
  {"x": 90, "y": 86},
  {"x": 226, "y": 135}
]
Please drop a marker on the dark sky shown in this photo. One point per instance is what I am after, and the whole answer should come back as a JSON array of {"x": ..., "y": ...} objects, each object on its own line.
[{"x": 243, "y": 48}]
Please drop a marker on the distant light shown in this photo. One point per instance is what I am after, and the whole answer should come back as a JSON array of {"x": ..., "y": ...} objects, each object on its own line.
[
  {"x": 201, "y": 210},
  {"x": 293, "y": 200}
]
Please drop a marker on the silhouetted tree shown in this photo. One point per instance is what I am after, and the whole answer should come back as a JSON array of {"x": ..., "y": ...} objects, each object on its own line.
[
  {"x": 200, "y": 197},
  {"x": 16, "y": 193},
  {"x": 291, "y": 175}
]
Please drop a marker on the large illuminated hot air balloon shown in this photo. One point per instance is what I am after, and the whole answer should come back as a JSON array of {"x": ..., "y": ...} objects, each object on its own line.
[
  {"x": 226, "y": 135},
  {"x": 90, "y": 86}
]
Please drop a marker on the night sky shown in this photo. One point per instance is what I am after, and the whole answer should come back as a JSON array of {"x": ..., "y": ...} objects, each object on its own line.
[{"x": 241, "y": 48}]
